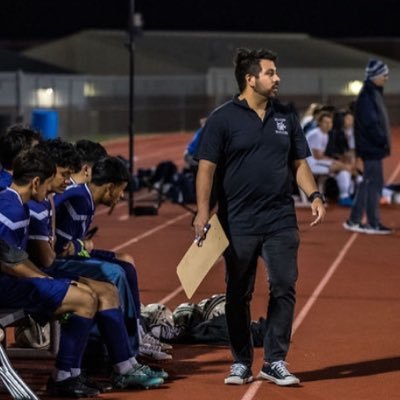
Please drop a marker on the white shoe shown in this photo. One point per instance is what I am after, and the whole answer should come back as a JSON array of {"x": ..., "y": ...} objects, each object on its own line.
[
  {"x": 150, "y": 339},
  {"x": 154, "y": 352}
]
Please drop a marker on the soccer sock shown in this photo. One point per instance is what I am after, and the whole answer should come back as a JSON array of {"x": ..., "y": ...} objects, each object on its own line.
[
  {"x": 75, "y": 372},
  {"x": 74, "y": 335},
  {"x": 131, "y": 275},
  {"x": 113, "y": 331},
  {"x": 122, "y": 367},
  {"x": 59, "y": 375}
]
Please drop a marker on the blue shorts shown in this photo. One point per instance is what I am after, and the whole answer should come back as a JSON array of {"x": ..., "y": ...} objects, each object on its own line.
[{"x": 39, "y": 296}]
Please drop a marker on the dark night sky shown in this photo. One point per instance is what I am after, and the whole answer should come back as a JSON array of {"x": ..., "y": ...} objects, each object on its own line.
[{"x": 41, "y": 19}]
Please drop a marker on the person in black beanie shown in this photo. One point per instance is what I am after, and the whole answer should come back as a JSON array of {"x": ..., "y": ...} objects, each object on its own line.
[{"x": 372, "y": 140}]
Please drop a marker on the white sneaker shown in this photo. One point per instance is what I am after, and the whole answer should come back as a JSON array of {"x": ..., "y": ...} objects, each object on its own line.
[
  {"x": 150, "y": 339},
  {"x": 154, "y": 352}
]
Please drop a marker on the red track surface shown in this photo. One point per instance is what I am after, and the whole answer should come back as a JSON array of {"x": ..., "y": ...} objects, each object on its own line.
[{"x": 346, "y": 343}]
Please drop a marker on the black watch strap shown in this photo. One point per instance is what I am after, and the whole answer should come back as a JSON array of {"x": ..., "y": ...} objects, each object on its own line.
[{"x": 316, "y": 195}]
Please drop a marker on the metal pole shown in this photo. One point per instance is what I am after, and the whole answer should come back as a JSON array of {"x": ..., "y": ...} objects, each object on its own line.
[{"x": 131, "y": 27}]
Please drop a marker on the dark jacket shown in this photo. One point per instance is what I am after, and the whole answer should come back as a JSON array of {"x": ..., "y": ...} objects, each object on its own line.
[{"x": 371, "y": 124}]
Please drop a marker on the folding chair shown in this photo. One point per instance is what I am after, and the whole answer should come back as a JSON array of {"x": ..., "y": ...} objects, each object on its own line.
[{"x": 18, "y": 389}]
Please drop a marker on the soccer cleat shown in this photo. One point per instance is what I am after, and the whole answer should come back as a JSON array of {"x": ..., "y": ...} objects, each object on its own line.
[
  {"x": 378, "y": 230},
  {"x": 71, "y": 387},
  {"x": 136, "y": 377},
  {"x": 239, "y": 375},
  {"x": 155, "y": 373},
  {"x": 354, "y": 226},
  {"x": 278, "y": 373},
  {"x": 102, "y": 387}
]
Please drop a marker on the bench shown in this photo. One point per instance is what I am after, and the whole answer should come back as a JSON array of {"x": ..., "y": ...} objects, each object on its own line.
[{"x": 18, "y": 389}]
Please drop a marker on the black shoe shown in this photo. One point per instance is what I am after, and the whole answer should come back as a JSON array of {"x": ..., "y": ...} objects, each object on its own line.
[
  {"x": 102, "y": 387},
  {"x": 11, "y": 255},
  {"x": 278, "y": 373},
  {"x": 71, "y": 387}
]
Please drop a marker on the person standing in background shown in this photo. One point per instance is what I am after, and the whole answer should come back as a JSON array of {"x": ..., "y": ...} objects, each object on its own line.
[{"x": 372, "y": 140}]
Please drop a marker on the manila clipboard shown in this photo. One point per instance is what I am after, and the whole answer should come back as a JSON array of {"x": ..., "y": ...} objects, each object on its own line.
[{"x": 198, "y": 261}]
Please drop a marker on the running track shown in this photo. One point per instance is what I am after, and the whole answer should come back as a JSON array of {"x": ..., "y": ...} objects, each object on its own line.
[{"x": 346, "y": 342}]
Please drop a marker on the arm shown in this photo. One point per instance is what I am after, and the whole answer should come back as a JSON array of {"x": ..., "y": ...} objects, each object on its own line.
[
  {"x": 25, "y": 269},
  {"x": 204, "y": 182},
  {"x": 305, "y": 180},
  {"x": 42, "y": 252}
]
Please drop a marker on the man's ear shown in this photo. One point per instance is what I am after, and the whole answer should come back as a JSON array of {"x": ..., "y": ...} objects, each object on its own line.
[
  {"x": 86, "y": 170},
  {"x": 250, "y": 79},
  {"x": 35, "y": 182}
]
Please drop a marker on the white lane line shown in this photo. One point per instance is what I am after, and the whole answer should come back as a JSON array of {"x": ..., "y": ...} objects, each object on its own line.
[
  {"x": 167, "y": 298},
  {"x": 151, "y": 231},
  {"x": 394, "y": 174},
  {"x": 252, "y": 390}
]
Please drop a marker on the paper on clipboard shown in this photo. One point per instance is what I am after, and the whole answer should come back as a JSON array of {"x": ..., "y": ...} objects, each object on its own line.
[{"x": 198, "y": 261}]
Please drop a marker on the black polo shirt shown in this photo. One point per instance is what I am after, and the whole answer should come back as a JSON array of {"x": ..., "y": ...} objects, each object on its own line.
[{"x": 254, "y": 159}]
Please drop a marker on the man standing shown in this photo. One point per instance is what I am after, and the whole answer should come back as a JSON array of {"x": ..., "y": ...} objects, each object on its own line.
[
  {"x": 256, "y": 148},
  {"x": 372, "y": 137}
]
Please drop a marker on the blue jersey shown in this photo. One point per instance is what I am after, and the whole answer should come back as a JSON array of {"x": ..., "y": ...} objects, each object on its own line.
[
  {"x": 14, "y": 219},
  {"x": 5, "y": 179},
  {"x": 40, "y": 220},
  {"x": 74, "y": 214}
]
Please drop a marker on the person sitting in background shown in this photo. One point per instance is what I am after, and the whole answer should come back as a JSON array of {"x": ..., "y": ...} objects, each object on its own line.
[
  {"x": 191, "y": 148},
  {"x": 17, "y": 138},
  {"x": 309, "y": 115},
  {"x": 341, "y": 142},
  {"x": 321, "y": 164}
]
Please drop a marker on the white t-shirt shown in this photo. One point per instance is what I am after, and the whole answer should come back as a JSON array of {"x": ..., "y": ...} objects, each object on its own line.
[{"x": 318, "y": 140}]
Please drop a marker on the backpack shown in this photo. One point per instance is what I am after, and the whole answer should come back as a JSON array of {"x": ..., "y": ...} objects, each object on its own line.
[
  {"x": 183, "y": 188},
  {"x": 32, "y": 334}
]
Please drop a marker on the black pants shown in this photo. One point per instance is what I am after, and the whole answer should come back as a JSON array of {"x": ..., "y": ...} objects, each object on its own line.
[{"x": 279, "y": 251}]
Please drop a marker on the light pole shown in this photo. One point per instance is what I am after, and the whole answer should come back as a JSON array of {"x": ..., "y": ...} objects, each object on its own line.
[{"x": 131, "y": 28}]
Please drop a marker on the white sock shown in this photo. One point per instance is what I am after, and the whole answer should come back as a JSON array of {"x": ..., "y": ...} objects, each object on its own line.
[
  {"x": 60, "y": 375},
  {"x": 75, "y": 372},
  {"x": 133, "y": 361},
  {"x": 123, "y": 367}
]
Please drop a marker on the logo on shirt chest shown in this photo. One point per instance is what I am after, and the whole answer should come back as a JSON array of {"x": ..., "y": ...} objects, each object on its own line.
[{"x": 280, "y": 126}]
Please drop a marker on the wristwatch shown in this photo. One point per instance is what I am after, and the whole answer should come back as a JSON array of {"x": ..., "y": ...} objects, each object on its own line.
[{"x": 316, "y": 195}]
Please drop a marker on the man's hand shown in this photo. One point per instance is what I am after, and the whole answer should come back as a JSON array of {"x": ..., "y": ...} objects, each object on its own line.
[
  {"x": 318, "y": 209},
  {"x": 68, "y": 250},
  {"x": 199, "y": 224}
]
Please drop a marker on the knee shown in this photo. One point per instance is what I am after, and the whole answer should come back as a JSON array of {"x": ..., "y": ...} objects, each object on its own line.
[
  {"x": 112, "y": 294},
  {"x": 89, "y": 301},
  {"x": 125, "y": 257}
]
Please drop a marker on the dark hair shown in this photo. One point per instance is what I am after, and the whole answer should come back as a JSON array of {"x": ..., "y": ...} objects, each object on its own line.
[
  {"x": 248, "y": 62},
  {"x": 324, "y": 114},
  {"x": 62, "y": 153},
  {"x": 109, "y": 170},
  {"x": 31, "y": 163},
  {"x": 89, "y": 151},
  {"x": 17, "y": 138}
]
